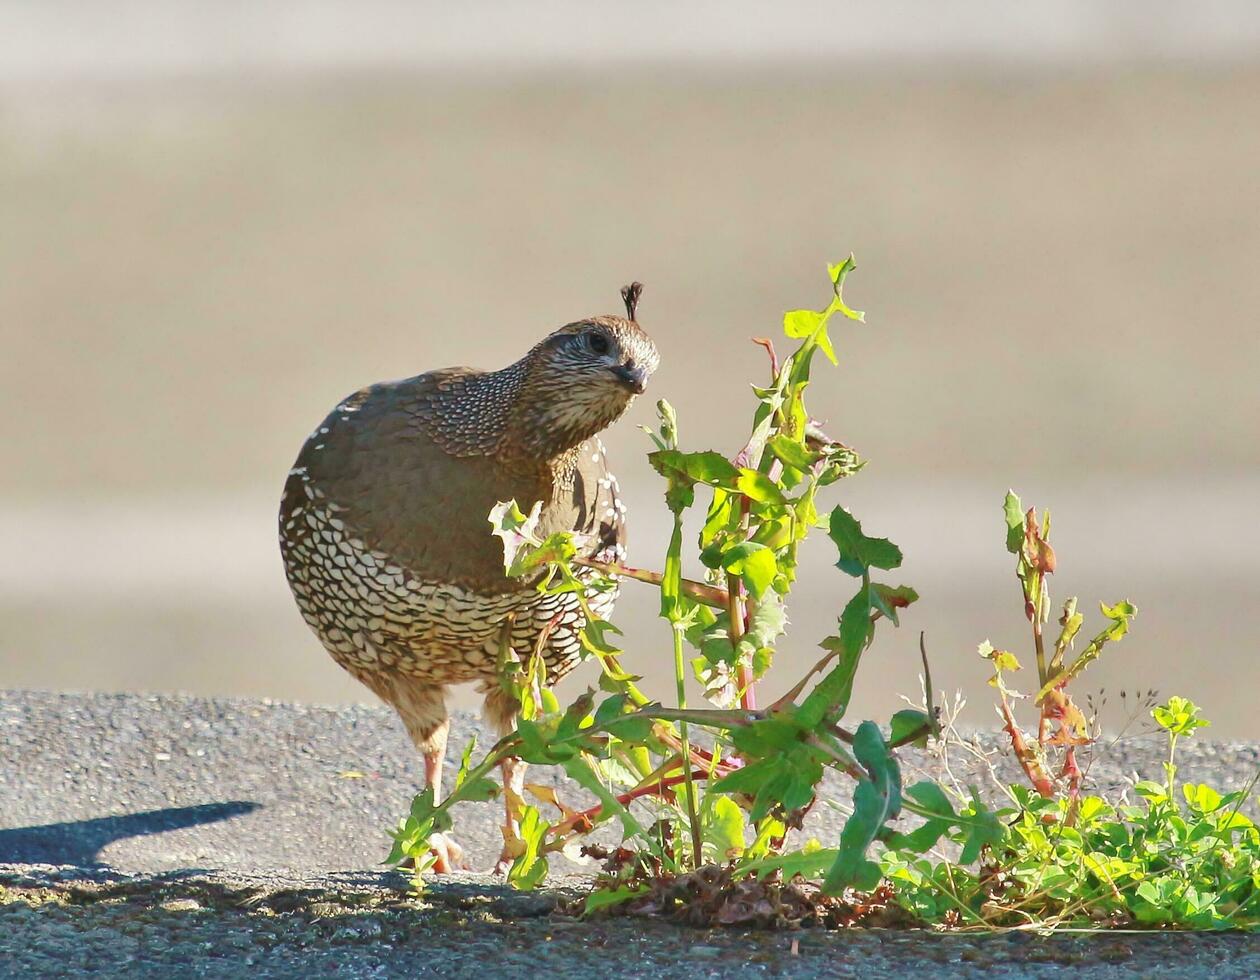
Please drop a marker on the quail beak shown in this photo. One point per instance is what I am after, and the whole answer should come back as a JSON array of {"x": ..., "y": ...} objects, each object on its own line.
[{"x": 634, "y": 378}]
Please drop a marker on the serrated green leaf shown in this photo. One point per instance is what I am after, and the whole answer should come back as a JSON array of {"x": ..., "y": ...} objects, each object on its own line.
[
  {"x": 811, "y": 326},
  {"x": 707, "y": 467},
  {"x": 859, "y": 553},
  {"x": 834, "y": 691},
  {"x": 671, "y": 576},
  {"x": 766, "y": 625},
  {"x": 721, "y": 517},
  {"x": 558, "y": 547},
  {"x": 983, "y": 829},
  {"x": 594, "y": 636},
  {"x": 799, "y": 324},
  {"x": 855, "y": 623},
  {"x": 807, "y": 864},
  {"x": 748, "y": 779},
  {"x": 1013, "y": 511}
]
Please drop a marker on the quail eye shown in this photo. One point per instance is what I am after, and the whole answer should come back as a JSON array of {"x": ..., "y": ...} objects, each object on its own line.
[{"x": 597, "y": 342}]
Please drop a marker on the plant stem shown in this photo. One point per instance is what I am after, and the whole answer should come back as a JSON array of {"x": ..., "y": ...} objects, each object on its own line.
[
  {"x": 1172, "y": 769},
  {"x": 1043, "y": 724},
  {"x": 680, "y": 680},
  {"x": 595, "y": 812},
  {"x": 1072, "y": 772},
  {"x": 735, "y": 613},
  {"x": 707, "y": 595},
  {"x": 1033, "y": 769}
]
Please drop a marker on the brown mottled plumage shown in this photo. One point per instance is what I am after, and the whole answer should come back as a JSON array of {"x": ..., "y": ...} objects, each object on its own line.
[{"x": 384, "y": 530}]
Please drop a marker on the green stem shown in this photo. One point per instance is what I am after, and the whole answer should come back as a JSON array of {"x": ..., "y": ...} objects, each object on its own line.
[
  {"x": 680, "y": 680},
  {"x": 1172, "y": 769},
  {"x": 1043, "y": 723}
]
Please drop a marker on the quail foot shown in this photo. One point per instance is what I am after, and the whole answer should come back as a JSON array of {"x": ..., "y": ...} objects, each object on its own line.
[{"x": 385, "y": 537}]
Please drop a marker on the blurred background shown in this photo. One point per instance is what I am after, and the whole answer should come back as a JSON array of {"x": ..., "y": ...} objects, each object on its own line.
[{"x": 218, "y": 218}]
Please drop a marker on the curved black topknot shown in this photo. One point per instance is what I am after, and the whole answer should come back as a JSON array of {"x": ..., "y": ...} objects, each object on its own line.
[{"x": 630, "y": 296}]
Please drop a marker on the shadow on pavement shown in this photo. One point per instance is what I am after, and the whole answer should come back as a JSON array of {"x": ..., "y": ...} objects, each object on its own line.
[{"x": 80, "y": 842}]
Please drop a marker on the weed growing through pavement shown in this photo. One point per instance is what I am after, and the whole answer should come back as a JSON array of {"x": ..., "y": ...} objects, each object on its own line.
[{"x": 706, "y": 796}]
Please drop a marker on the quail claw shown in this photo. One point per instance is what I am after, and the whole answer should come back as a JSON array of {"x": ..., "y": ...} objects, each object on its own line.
[{"x": 450, "y": 856}]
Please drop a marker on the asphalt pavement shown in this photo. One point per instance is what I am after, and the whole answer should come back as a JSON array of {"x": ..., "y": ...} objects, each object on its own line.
[{"x": 161, "y": 835}]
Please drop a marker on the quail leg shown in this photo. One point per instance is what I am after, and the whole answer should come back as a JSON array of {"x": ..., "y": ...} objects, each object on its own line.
[
  {"x": 423, "y": 712},
  {"x": 450, "y": 856}
]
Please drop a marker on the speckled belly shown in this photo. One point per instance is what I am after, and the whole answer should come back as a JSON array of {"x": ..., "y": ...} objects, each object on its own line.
[{"x": 373, "y": 615}]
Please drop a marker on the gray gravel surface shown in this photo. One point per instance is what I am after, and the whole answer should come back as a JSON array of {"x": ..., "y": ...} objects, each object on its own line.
[{"x": 185, "y": 837}]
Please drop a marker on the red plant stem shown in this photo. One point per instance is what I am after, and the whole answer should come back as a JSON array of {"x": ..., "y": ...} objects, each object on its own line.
[
  {"x": 701, "y": 756},
  {"x": 657, "y": 787},
  {"x": 1072, "y": 772},
  {"x": 768, "y": 344},
  {"x": 739, "y": 616},
  {"x": 735, "y": 613},
  {"x": 1028, "y": 761}
]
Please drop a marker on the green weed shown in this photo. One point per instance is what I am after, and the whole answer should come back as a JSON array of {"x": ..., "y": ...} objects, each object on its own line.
[{"x": 705, "y": 796}]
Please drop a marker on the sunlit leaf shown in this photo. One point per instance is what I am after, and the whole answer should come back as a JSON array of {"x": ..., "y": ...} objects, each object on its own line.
[
  {"x": 1120, "y": 616},
  {"x": 530, "y": 867},
  {"x": 838, "y": 274},
  {"x": 754, "y": 563},
  {"x": 1001, "y": 659},
  {"x": 724, "y": 828}
]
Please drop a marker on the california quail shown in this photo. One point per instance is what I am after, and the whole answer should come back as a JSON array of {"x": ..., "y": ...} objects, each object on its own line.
[{"x": 384, "y": 520}]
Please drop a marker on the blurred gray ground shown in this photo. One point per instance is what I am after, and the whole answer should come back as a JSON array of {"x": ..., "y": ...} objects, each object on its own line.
[{"x": 1057, "y": 262}]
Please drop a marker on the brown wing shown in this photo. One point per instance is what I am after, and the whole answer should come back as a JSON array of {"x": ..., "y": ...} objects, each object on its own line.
[
  {"x": 375, "y": 460},
  {"x": 396, "y": 489}
]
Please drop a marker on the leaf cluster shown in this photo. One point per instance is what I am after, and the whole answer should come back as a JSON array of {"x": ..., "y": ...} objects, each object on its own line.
[{"x": 1183, "y": 855}]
